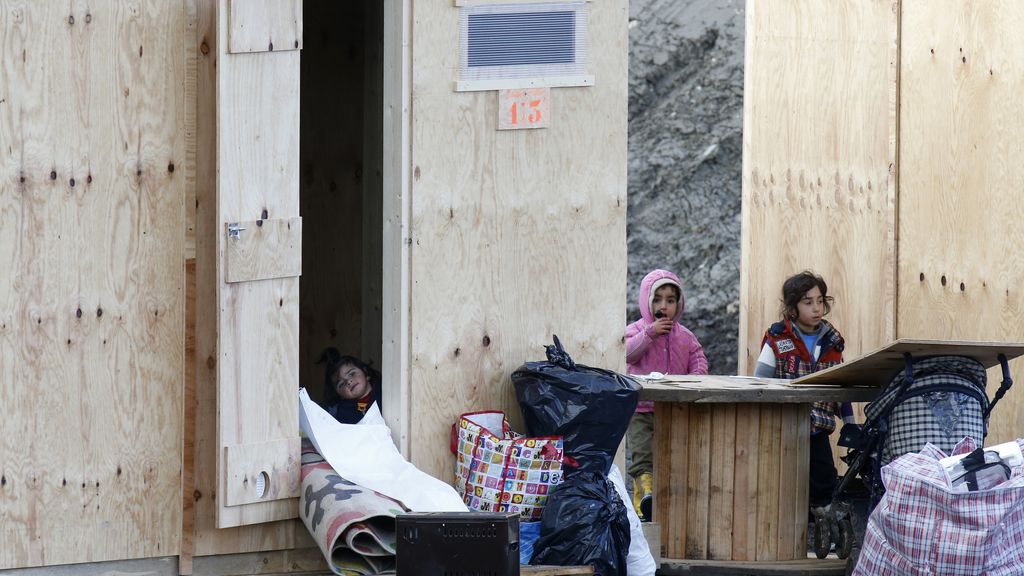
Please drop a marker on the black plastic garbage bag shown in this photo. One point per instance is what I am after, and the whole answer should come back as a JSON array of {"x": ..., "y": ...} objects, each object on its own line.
[
  {"x": 589, "y": 407},
  {"x": 584, "y": 522}
]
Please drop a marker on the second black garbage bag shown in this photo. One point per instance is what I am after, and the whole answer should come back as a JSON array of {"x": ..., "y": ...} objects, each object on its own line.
[{"x": 589, "y": 407}]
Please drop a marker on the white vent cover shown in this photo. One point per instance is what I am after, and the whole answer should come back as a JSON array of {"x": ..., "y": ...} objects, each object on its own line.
[{"x": 523, "y": 45}]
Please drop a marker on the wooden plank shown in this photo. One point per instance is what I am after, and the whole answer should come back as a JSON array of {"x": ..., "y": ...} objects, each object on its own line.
[
  {"x": 802, "y": 477},
  {"x": 805, "y": 567},
  {"x": 959, "y": 136},
  {"x": 789, "y": 520},
  {"x": 814, "y": 155},
  {"x": 188, "y": 443},
  {"x": 258, "y": 331},
  {"x": 263, "y": 249},
  {"x": 698, "y": 481},
  {"x": 675, "y": 539},
  {"x": 768, "y": 483},
  {"x": 555, "y": 570},
  {"x": 663, "y": 504},
  {"x": 92, "y": 295},
  {"x": 262, "y": 471},
  {"x": 264, "y": 25},
  {"x": 508, "y": 266},
  {"x": 396, "y": 264},
  {"x": 738, "y": 389},
  {"x": 210, "y": 540},
  {"x": 336, "y": 253},
  {"x": 745, "y": 488},
  {"x": 722, "y": 467},
  {"x": 878, "y": 367}
]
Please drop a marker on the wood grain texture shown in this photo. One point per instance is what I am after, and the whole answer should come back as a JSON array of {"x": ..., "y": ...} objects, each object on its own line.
[
  {"x": 678, "y": 503},
  {"x": 960, "y": 180},
  {"x": 877, "y": 368},
  {"x": 748, "y": 433},
  {"x": 334, "y": 174},
  {"x": 768, "y": 469},
  {"x": 277, "y": 461},
  {"x": 730, "y": 389},
  {"x": 263, "y": 249},
  {"x": 258, "y": 331},
  {"x": 510, "y": 229},
  {"x": 662, "y": 440},
  {"x": 209, "y": 540},
  {"x": 396, "y": 283},
  {"x": 264, "y": 25},
  {"x": 723, "y": 474},
  {"x": 92, "y": 106},
  {"x": 819, "y": 157},
  {"x": 698, "y": 481}
]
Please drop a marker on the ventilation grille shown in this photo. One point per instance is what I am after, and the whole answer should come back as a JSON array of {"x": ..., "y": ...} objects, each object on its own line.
[{"x": 523, "y": 45}]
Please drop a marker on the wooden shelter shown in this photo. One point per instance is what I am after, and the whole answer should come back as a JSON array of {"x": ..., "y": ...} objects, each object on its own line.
[
  {"x": 880, "y": 150},
  {"x": 197, "y": 196}
]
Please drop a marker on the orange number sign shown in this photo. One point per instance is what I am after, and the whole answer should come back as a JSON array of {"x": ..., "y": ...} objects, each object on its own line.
[{"x": 524, "y": 108}]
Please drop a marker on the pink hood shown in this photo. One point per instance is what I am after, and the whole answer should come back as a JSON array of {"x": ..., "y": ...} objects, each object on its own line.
[{"x": 678, "y": 352}]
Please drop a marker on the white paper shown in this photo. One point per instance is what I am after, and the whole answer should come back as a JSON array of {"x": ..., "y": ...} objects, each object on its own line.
[{"x": 364, "y": 454}]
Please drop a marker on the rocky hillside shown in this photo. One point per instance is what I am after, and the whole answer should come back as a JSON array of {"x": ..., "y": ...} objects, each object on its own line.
[{"x": 685, "y": 150}]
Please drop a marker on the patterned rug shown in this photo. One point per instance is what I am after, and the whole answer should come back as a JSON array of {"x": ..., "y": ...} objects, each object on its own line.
[{"x": 353, "y": 526}]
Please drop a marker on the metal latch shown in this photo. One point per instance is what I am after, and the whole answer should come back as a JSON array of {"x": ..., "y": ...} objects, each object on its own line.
[{"x": 234, "y": 230}]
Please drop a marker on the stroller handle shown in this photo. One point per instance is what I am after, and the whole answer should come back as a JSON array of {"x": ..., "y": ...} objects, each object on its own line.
[{"x": 1004, "y": 386}]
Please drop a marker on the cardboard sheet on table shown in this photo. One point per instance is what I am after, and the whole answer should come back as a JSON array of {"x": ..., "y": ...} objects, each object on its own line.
[{"x": 363, "y": 453}]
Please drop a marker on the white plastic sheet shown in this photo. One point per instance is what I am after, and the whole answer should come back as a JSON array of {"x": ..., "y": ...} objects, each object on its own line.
[
  {"x": 363, "y": 453},
  {"x": 639, "y": 561}
]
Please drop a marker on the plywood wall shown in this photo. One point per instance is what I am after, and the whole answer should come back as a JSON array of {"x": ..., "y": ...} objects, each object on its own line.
[
  {"x": 819, "y": 163},
  {"x": 515, "y": 235},
  {"x": 92, "y": 190},
  {"x": 961, "y": 176}
]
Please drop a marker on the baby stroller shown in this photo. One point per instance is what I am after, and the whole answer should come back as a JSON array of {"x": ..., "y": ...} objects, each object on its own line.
[{"x": 938, "y": 400}]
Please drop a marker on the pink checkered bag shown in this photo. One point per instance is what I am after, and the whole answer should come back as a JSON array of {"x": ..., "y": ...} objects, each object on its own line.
[
  {"x": 497, "y": 470},
  {"x": 921, "y": 526}
]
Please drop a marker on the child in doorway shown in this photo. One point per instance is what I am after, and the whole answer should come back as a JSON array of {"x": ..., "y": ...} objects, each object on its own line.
[
  {"x": 801, "y": 343},
  {"x": 350, "y": 386},
  {"x": 656, "y": 343}
]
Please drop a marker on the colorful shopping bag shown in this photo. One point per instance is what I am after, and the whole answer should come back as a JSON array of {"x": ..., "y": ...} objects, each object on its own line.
[{"x": 497, "y": 470}]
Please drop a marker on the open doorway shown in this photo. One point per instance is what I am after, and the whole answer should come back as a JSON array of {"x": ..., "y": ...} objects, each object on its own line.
[{"x": 341, "y": 185}]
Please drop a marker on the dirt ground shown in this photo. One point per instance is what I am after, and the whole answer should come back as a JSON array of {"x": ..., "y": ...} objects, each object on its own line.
[{"x": 685, "y": 150}]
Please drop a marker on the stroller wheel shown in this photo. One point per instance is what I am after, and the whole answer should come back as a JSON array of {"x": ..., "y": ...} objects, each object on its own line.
[
  {"x": 845, "y": 538},
  {"x": 822, "y": 540}
]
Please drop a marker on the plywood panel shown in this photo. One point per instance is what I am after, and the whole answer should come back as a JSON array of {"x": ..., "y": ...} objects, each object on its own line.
[
  {"x": 264, "y": 25},
  {"x": 92, "y": 116},
  {"x": 960, "y": 180},
  {"x": 331, "y": 189},
  {"x": 210, "y": 540},
  {"x": 515, "y": 235},
  {"x": 258, "y": 330},
  {"x": 819, "y": 163},
  {"x": 263, "y": 249}
]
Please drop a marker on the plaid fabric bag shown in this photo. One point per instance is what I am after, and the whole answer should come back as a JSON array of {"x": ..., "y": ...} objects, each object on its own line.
[
  {"x": 497, "y": 470},
  {"x": 922, "y": 527}
]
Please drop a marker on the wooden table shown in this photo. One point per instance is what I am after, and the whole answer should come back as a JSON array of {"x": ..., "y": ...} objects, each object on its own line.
[
  {"x": 731, "y": 452},
  {"x": 731, "y": 461}
]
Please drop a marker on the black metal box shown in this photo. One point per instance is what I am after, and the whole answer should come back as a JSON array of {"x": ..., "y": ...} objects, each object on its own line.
[{"x": 458, "y": 544}]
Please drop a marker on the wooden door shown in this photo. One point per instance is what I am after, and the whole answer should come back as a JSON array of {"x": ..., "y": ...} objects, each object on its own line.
[{"x": 258, "y": 259}]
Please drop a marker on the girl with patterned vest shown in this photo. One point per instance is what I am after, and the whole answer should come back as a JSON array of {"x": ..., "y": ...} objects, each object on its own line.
[{"x": 803, "y": 343}]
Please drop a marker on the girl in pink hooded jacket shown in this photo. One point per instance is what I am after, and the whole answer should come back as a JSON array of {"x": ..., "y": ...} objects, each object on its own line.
[{"x": 656, "y": 343}]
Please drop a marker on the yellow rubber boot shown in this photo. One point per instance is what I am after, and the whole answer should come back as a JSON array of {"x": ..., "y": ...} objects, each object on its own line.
[
  {"x": 643, "y": 507},
  {"x": 637, "y": 495}
]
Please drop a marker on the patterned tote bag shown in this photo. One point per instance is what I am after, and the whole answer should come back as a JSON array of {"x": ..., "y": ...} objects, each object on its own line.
[{"x": 497, "y": 470}]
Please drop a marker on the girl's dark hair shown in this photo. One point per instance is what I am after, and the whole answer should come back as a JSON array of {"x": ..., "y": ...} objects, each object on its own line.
[
  {"x": 794, "y": 288},
  {"x": 333, "y": 361}
]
